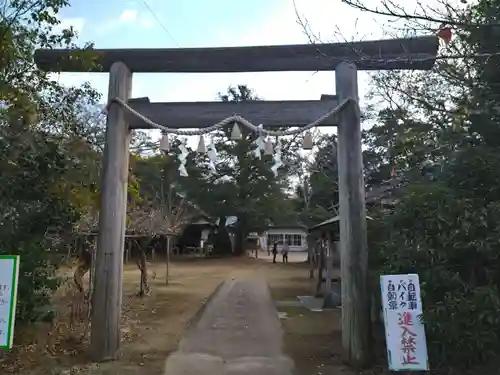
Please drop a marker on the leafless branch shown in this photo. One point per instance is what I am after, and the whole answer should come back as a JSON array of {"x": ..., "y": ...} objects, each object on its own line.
[{"x": 391, "y": 9}]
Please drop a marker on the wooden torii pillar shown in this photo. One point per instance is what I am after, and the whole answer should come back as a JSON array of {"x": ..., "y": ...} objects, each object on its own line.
[{"x": 344, "y": 58}]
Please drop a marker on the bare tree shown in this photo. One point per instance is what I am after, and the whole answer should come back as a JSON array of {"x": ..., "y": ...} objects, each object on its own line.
[
  {"x": 178, "y": 214},
  {"x": 166, "y": 216},
  {"x": 144, "y": 223}
]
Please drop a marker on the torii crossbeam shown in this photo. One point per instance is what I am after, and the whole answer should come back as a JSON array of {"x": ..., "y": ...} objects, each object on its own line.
[
  {"x": 390, "y": 54},
  {"x": 345, "y": 58}
]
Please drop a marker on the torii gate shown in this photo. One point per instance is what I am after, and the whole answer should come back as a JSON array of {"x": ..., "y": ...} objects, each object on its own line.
[{"x": 345, "y": 58}]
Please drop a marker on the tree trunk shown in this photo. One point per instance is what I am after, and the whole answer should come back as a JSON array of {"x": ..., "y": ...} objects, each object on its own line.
[
  {"x": 241, "y": 236},
  {"x": 222, "y": 242},
  {"x": 238, "y": 243},
  {"x": 142, "y": 264}
]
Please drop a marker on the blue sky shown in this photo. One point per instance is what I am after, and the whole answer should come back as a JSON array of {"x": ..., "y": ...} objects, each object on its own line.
[
  {"x": 212, "y": 23},
  {"x": 203, "y": 23},
  {"x": 192, "y": 23}
]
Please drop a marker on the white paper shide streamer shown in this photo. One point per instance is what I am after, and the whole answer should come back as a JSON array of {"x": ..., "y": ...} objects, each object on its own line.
[
  {"x": 212, "y": 155},
  {"x": 263, "y": 142},
  {"x": 260, "y": 142},
  {"x": 277, "y": 160},
  {"x": 182, "y": 157}
]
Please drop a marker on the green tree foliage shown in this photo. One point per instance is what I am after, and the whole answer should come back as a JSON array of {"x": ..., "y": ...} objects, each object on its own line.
[
  {"x": 440, "y": 133},
  {"x": 450, "y": 240},
  {"x": 243, "y": 185},
  {"x": 396, "y": 143},
  {"x": 40, "y": 147},
  {"x": 161, "y": 188},
  {"x": 317, "y": 193}
]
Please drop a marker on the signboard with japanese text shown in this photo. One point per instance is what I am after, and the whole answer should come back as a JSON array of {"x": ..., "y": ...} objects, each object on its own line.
[
  {"x": 404, "y": 331},
  {"x": 9, "y": 274}
]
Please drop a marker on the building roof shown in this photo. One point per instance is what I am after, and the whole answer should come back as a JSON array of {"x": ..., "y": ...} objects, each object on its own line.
[
  {"x": 329, "y": 222},
  {"x": 383, "y": 193},
  {"x": 292, "y": 226},
  {"x": 202, "y": 221}
]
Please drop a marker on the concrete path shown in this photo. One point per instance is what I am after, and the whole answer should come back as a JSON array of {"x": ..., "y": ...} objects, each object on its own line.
[{"x": 239, "y": 333}]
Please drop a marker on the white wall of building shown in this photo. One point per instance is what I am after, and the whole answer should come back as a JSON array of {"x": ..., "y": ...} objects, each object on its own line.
[{"x": 297, "y": 236}]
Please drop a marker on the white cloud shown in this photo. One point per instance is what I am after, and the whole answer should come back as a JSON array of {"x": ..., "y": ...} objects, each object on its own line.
[
  {"x": 146, "y": 23},
  {"x": 330, "y": 19},
  {"x": 128, "y": 15},
  {"x": 280, "y": 27},
  {"x": 126, "y": 18}
]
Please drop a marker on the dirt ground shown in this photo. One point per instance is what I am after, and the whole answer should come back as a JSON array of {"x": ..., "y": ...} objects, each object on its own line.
[
  {"x": 312, "y": 339},
  {"x": 152, "y": 326}
]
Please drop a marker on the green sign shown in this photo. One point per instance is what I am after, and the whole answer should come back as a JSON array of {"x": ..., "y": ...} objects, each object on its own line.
[{"x": 9, "y": 275}]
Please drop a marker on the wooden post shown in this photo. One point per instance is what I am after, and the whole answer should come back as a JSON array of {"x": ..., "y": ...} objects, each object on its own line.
[
  {"x": 321, "y": 266},
  {"x": 329, "y": 264},
  {"x": 107, "y": 297},
  {"x": 311, "y": 249},
  {"x": 353, "y": 240},
  {"x": 127, "y": 250},
  {"x": 93, "y": 252},
  {"x": 168, "y": 260}
]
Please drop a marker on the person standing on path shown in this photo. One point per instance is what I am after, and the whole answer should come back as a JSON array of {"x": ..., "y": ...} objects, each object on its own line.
[
  {"x": 275, "y": 251},
  {"x": 285, "y": 250}
]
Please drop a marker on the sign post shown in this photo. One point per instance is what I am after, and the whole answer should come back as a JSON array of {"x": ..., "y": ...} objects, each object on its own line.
[
  {"x": 404, "y": 330},
  {"x": 9, "y": 276}
]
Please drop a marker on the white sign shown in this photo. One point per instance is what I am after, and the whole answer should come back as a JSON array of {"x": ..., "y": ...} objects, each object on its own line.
[
  {"x": 404, "y": 331},
  {"x": 9, "y": 275}
]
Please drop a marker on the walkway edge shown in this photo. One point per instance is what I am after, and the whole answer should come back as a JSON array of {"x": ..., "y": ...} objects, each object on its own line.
[{"x": 197, "y": 316}]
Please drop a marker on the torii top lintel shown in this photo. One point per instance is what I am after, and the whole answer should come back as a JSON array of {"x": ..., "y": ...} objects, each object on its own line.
[{"x": 412, "y": 53}]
